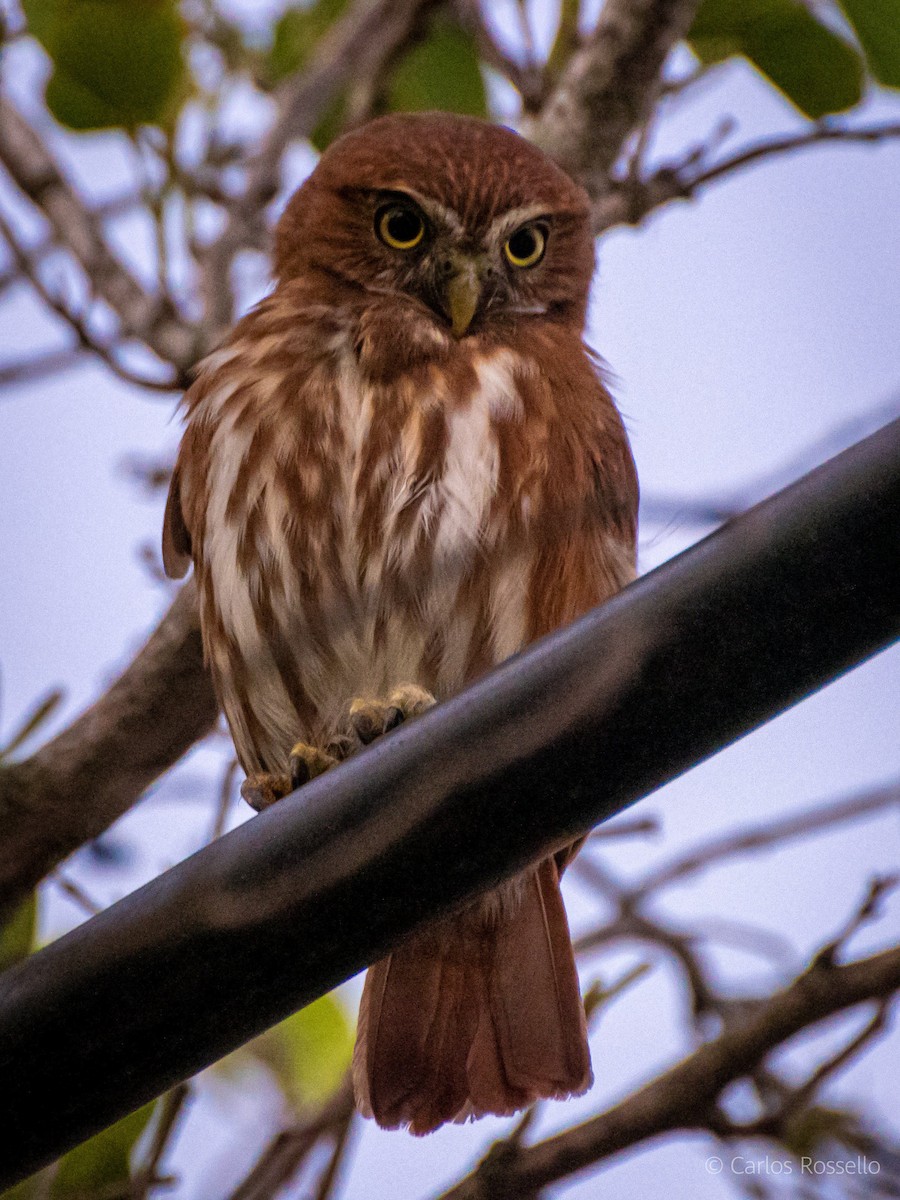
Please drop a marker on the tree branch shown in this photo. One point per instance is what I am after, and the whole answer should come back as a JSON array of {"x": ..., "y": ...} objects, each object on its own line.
[
  {"x": 81, "y": 781},
  {"x": 630, "y": 201},
  {"x": 784, "y": 829},
  {"x": 105, "y": 348},
  {"x": 39, "y": 366},
  {"x": 528, "y": 80},
  {"x": 144, "y": 316},
  {"x": 365, "y": 38},
  {"x": 289, "y": 1150},
  {"x": 608, "y": 86},
  {"x": 681, "y": 1097}
]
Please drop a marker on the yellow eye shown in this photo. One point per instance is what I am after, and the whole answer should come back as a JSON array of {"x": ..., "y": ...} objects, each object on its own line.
[
  {"x": 526, "y": 246},
  {"x": 399, "y": 226}
]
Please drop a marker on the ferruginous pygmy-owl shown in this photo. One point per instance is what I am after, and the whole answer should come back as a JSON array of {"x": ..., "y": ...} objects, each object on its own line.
[{"x": 400, "y": 468}]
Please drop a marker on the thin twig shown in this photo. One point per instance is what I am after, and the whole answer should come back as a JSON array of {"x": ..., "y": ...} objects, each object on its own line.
[
  {"x": 366, "y": 36},
  {"x": 171, "y": 1108},
  {"x": 528, "y": 81},
  {"x": 39, "y": 366},
  {"x": 868, "y": 910},
  {"x": 77, "y": 893},
  {"x": 783, "y": 829},
  {"x": 87, "y": 340},
  {"x": 636, "y": 827},
  {"x": 789, "y": 143},
  {"x": 225, "y": 797},
  {"x": 629, "y": 201},
  {"x": 290, "y": 1149},
  {"x": 801, "y": 1096},
  {"x": 338, "y": 1154},
  {"x": 35, "y": 172}
]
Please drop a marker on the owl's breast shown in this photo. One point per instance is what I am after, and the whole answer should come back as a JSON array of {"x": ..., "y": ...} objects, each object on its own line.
[{"x": 368, "y": 547}]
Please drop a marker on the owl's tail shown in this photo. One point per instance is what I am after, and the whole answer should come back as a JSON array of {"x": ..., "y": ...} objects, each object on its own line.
[{"x": 475, "y": 1016}]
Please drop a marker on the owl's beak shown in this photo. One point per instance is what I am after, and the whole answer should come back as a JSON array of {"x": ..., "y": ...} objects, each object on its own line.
[{"x": 462, "y": 294}]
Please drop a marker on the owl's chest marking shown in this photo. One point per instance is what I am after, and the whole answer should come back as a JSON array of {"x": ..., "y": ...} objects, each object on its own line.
[{"x": 402, "y": 587}]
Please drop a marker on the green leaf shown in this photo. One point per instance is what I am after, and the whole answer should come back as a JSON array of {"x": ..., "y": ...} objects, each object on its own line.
[
  {"x": 440, "y": 72},
  {"x": 116, "y": 62},
  {"x": 17, "y": 934},
  {"x": 296, "y": 33},
  {"x": 103, "y": 1160},
  {"x": 877, "y": 25},
  {"x": 310, "y": 1051},
  {"x": 76, "y": 106},
  {"x": 817, "y": 70}
]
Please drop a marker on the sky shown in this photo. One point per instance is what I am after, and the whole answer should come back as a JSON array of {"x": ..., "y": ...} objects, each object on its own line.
[{"x": 742, "y": 329}]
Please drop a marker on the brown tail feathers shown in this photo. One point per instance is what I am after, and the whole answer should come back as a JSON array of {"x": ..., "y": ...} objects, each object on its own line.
[{"x": 477, "y": 1014}]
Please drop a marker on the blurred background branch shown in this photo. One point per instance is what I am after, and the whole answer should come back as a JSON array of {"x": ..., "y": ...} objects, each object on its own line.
[{"x": 217, "y": 112}]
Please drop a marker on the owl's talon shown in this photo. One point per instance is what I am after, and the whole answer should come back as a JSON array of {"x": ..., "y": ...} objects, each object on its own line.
[
  {"x": 366, "y": 718},
  {"x": 411, "y": 700},
  {"x": 369, "y": 718},
  {"x": 393, "y": 717},
  {"x": 307, "y": 762},
  {"x": 262, "y": 790}
]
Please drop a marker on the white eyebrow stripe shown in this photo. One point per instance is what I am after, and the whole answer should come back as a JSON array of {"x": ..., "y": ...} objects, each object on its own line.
[
  {"x": 511, "y": 220},
  {"x": 431, "y": 208}
]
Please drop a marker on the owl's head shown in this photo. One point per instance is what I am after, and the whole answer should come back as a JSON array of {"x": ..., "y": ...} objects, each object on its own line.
[{"x": 465, "y": 222}]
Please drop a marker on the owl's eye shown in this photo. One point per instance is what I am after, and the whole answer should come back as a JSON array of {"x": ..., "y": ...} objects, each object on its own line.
[
  {"x": 399, "y": 226},
  {"x": 526, "y": 246}
]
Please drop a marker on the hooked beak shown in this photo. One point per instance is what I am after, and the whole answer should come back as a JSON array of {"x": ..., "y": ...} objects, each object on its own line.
[{"x": 463, "y": 291}]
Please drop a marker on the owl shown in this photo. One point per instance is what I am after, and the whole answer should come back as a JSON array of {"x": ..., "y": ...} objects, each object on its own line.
[{"x": 399, "y": 469}]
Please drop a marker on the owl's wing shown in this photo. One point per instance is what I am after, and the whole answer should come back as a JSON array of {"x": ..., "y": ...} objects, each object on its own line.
[
  {"x": 176, "y": 538},
  {"x": 180, "y": 531}
]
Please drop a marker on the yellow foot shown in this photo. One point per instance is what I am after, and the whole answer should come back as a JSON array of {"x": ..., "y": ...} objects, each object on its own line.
[
  {"x": 307, "y": 762},
  {"x": 369, "y": 718},
  {"x": 262, "y": 790}
]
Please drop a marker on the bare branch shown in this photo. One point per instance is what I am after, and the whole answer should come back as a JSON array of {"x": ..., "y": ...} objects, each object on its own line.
[
  {"x": 868, "y": 910},
  {"x": 365, "y": 38},
  {"x": 289, "y": 1150},
  {"x": 225, "y": 797},
  {"x": 106, "y": 349},
  {"x": 683, "y": 1097},
  {"x": 800, "y": 1097},
  {"x": 630, "y": 201},
  {"x": 527, "y": 80},
  {"x": 39, "y": 366},
  {"x": 76, "y": 892},
  {"x": 785, "y": 145},
  {"x": 144, "y": 316},
  {"x": 630, "y": 827},
  {"x": 171, "y": 1110},
  {"x": 81, "y": 781},
  {"x": 608, "y": 86},
  {"x": 810, "y": 820},
  {"x": 341, "y": 1142}
]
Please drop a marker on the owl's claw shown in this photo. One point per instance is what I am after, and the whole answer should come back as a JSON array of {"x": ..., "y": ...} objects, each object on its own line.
[
  {"x": 307, "y": 762},
  {"x": 263, "y": 789},
  {"x": 369, "y": 718}
]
